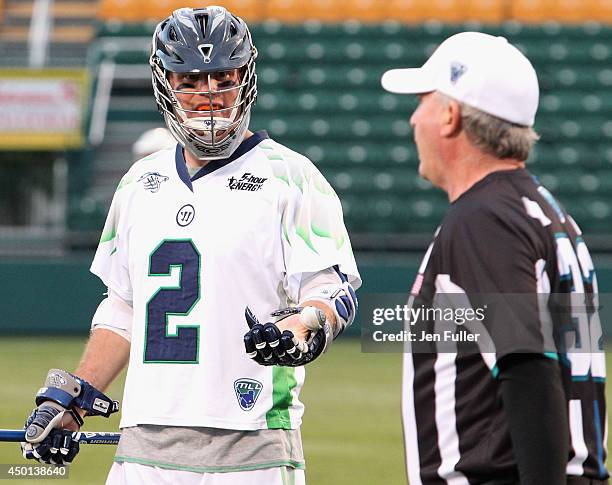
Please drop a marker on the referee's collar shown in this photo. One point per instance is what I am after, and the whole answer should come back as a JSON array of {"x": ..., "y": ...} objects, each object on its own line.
[
  {"x": 504, "y": 173},
  {"x": 244, "y": 147}
]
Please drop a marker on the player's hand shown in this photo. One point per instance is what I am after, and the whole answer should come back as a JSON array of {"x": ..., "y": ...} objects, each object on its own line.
[
  {"x": 295, "y": 326},
  {"x": 62, "y": 402},
  {"x": 275, "y": 343},
  {"x": 49, "y": 434}
]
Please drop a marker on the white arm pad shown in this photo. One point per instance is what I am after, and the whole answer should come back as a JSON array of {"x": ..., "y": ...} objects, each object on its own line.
[
  {"x": 311, "y": 281},
  {"x": 114, "y": 314},
  {"x": 328, "y": 287}
]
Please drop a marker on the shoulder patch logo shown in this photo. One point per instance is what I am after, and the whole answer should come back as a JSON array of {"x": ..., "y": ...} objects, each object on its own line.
[
  {"x": 247, "y": 182},
  {"x": 457, "y": 70},
  {"x": 152, "y": 181},
  {"x": 247, "y": 391}
]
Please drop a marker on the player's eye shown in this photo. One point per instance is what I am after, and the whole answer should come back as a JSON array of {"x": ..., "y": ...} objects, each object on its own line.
[
  {"x": 229, "y": 83},
  {"x": 225, "y": 79},
  {"x": 222, "y": 75},
  {"x": 185, "y": 85},
  {"x": 187, "y": 81}
]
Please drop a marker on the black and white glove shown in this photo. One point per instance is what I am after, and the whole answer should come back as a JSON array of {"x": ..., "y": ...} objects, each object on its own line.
[
  {"x": 53, "y": 445},
  {"x": 47, "y": 440},
  {"x": 267, "y": 345}
]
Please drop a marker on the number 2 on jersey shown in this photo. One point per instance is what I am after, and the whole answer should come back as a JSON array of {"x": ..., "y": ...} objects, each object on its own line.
[{"x": 180, "y": 346}]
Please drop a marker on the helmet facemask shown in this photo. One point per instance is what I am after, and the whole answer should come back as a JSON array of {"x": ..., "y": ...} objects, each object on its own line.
[
  {"x": 212, "y": 130},
  {"x": 204, "y": 43}
]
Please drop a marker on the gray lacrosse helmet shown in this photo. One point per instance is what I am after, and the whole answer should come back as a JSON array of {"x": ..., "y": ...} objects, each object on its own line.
[{"x": 205, "y": 41}]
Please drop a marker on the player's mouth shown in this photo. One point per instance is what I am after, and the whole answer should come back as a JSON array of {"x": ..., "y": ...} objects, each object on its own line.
[{"x": 208, "y": 107}]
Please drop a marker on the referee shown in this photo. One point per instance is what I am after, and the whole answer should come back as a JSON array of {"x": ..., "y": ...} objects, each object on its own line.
[{"x": 529, "y": 408}]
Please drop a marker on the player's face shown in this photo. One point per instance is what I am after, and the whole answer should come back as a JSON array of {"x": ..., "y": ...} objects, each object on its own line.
[
  {"x": 201, "y": 93},
  {"x": 426, "y": 123}
]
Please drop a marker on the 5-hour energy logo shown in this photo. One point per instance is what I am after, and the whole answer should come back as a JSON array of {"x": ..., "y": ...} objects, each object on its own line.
[{"x": 247, "y": 182}]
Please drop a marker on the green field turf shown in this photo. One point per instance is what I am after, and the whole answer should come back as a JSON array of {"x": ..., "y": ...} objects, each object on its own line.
[{"x": 352, "y": 431}]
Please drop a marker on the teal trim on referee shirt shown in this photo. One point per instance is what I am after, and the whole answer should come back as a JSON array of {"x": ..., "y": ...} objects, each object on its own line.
[
  {"x": 588, "y": 377},
  {"x": 550, "y": 355},
  {"x": 599, "y": 439}
]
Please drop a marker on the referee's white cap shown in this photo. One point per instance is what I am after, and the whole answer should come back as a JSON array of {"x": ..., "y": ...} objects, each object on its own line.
[{"x": 481, "y": 70}]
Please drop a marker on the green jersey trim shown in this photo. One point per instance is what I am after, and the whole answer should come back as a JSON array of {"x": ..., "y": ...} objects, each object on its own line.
[
  {"x": 283, "y": 381},
  {"x": 212, "y": 469},
  {"x": 108, "y": 236}
]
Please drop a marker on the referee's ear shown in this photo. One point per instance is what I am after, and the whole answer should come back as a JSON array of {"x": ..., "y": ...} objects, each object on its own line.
[{"x": 451, "y": 119}]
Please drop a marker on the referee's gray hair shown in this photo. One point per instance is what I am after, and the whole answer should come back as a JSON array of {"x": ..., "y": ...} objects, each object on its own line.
[{"x": 493, "y": 135}]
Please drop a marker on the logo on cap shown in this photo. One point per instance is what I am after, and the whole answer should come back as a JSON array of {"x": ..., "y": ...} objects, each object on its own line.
[{"x": 457, "y": 70}]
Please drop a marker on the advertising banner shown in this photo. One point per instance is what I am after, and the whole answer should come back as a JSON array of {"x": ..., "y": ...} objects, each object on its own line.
[{"x": 42, "y": 109}]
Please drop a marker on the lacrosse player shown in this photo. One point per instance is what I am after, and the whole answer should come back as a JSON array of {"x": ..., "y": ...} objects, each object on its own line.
[
  {"x": 225, "y": 225},
  {"x": 529, "y": 408}
]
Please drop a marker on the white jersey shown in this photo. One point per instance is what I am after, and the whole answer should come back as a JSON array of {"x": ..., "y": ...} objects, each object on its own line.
[{"x": 191, "y": 254}]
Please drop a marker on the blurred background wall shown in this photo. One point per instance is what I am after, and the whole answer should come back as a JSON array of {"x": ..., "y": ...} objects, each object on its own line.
[{"x": 75, "y": 95}]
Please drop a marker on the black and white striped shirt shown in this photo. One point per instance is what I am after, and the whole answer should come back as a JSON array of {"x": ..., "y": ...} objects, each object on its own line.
[{"x": 505, "y": 235}]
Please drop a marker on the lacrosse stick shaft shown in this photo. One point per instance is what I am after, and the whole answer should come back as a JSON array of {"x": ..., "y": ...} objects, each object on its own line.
[{"x": 83, "y": 437}]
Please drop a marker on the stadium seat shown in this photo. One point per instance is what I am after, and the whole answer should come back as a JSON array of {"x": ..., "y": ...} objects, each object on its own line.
[
  {"x": 414, "y": 11},
  {"x": 368, "y": 11},
  {"x": 320, "y": 94},
  {"x": 604, "y": 153},
  {"x": 599, "y": 209},
  {"x": 561, "y": 10},
  {"x": 158, "y": 9},
  {"x": 585, "y": 77},
  {"x": 582, "y": 10},
  {"x": 338, "y": 78},
  {"x": 532, "y": 10},
  {"x": 250, "y": 10},
  {"x": 489, "y": 11},
  {"x": 356, "y": 179},
  {"x": 284, "y": 10},
  {"x": 118, "y": 28},
  {"x": 126, "y": 10},
  {"x": 365, "y": 10},
  {"x": 564, "y": 154}
]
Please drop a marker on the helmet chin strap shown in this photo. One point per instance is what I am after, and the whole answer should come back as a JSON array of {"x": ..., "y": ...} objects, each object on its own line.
[
  {"x": 211, "y": 127},
  {"x": 201, "y": 123}
]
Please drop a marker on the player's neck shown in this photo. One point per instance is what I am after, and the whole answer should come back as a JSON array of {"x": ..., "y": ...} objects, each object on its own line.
[
  {"x": 467, "y": 172},
  {"x": 195, "y": 162}
]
